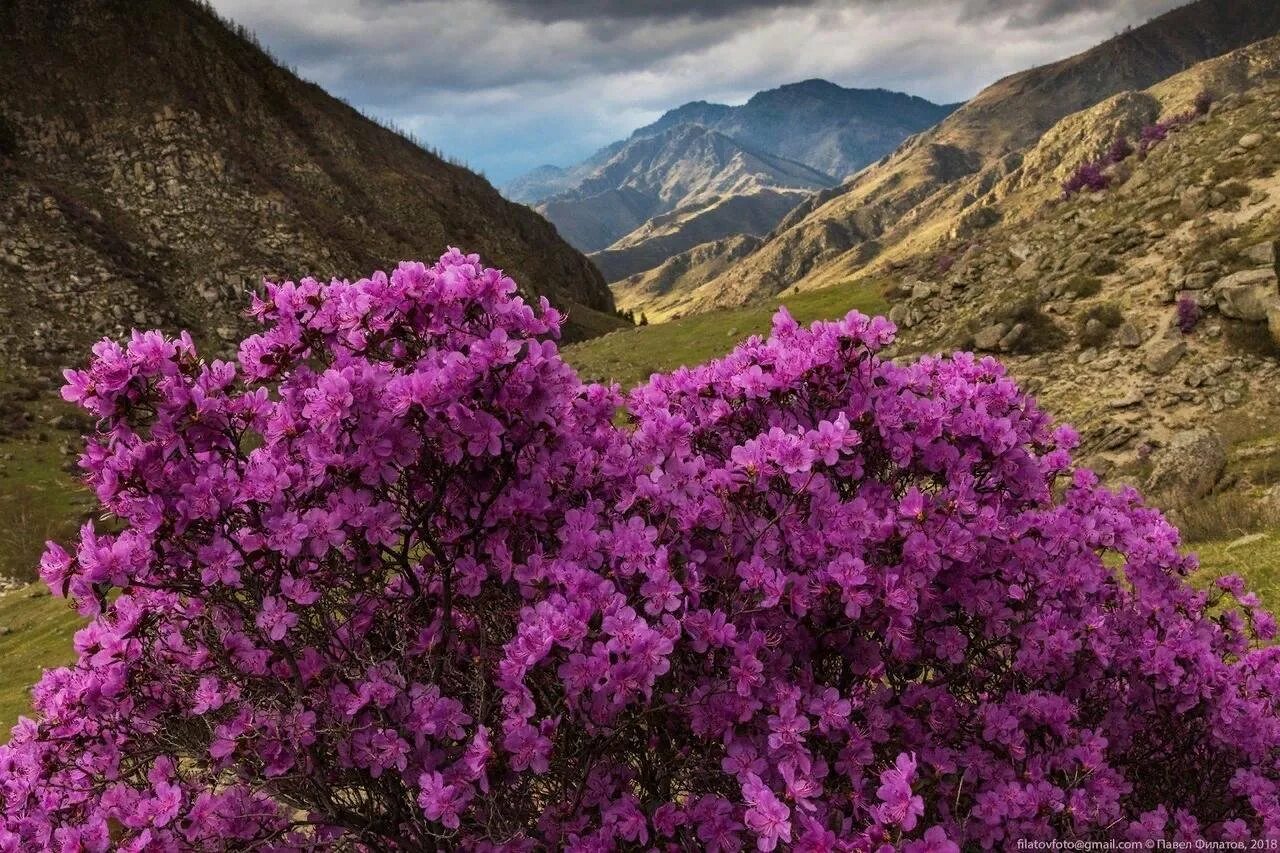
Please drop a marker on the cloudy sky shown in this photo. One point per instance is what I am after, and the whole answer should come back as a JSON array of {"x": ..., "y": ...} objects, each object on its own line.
[{"x": 506, "y": 85}]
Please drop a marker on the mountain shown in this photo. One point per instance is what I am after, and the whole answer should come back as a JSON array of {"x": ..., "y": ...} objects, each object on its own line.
[
  {"x": 939, "y": 183},
  {"x": 833, "y": 129},
  {"x": 681, "y": 167},
  {"x": 621, "y": 203},
  {"x": 155, "y": 163},
  {"x": 825, "y": 126},
  {"x": 539, "y": 183},
  {"x": 657, "y": 290},
  {"x": 751, "y": 214}
]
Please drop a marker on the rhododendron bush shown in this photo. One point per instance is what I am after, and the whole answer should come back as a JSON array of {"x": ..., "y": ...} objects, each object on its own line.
[{"x": 397, "y": 579}]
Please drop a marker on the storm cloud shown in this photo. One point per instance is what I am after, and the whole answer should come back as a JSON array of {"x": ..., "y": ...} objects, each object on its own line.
[{"x": 506, "y": 85}]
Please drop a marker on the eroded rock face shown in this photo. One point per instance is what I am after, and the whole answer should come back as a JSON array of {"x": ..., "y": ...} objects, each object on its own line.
[{"x": 1189, "y": 467}]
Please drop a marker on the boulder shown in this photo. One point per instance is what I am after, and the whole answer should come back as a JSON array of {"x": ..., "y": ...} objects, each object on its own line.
[
  {"x": 1188, "y": 467},
  {"x": 1248, "y": 294},
  {"x": 1193, "y": 201},
  {"x": 1028, "y": 270},
  {"x": 1162, "y": 355},
  {"x": 1250, "y": 141},
  {"x": 1015, "y": 334},
  {"x": 1263, "y": 254},
  {"x": 1127, "y": 335},
  {"x": 1132, "y": 398},
  {"x": 1273, "y": 323},
  {"x": 1197, "y": 281},
  {"x": 989, "y": 337}
]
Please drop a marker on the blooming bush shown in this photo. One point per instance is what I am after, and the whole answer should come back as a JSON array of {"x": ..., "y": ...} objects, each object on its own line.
[
  {"x": 1089, "y": 176},
  {"x": 1119, "y": 150},
  {"x": 397, "y": 579},
  {"x": 1188, "y": 313}
]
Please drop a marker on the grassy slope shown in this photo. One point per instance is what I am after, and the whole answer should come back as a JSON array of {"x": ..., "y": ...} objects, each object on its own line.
[
  {"x": 38, "y": 502},
  {"x": 628, "y": 357},
  {"x": 35, "y": 632}
]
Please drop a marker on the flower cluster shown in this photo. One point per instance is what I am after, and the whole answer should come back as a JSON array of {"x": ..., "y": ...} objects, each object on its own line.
[
  {"x": 1090, "y": 175},
  {"x": 398, "y": 580},
  {"x": 1188, "y": 315}
]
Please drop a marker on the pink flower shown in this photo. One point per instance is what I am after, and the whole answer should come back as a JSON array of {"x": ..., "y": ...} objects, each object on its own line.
[{"x": 766, "y": 816}]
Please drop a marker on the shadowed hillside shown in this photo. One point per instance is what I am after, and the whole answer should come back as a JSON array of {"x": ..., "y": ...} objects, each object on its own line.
[{"x": 155, "y": 163}]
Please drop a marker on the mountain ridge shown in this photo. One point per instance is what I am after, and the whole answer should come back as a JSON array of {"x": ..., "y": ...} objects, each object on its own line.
[{"x": 686, "y": 164}]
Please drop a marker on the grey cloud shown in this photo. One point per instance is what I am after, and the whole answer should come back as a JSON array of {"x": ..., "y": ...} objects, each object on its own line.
[
  {"x": 507, "y": 85},
  {"x": 579, "y": 10},
  {"x": 1021, "y": 14}
]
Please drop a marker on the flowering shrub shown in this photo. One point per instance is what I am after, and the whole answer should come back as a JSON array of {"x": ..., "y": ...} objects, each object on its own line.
[
  {"x": 1153, "y": 134},
  {"x": 1087, "y": 176},
  {"x": 1188, "y": 313},
  {"x": 1119, "y": 150},
  {"x": 397, "y": 579}
]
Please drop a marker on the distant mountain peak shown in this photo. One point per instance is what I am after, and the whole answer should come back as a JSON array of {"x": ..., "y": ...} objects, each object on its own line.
[
  {"x": 707, "y": 171},
  {"x": 828, "y": 127}
]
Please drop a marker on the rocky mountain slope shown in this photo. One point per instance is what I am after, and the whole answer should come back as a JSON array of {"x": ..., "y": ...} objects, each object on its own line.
[
  {"x": 155, "y": 164},
  {"x": 1148, "y": 312},
  {"x": 686, "y": 167},
  {"x": 940, "y": 183}
]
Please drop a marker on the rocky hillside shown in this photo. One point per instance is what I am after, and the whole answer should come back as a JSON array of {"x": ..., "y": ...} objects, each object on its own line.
[
  {"x": 940, "y": 183},
  {"x": 1146, "y": 312},
  {"x": 658, "y": 291},
  {"x": 155, "y": 164},
  {"x": 687, "y": 167}
]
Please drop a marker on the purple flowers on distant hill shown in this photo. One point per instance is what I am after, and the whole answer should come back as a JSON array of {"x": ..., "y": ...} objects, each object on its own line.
[
  {"x": 1092, "y": 175},
  {"x": 1087, "y": 176},
  {"x": 397, "y": 579}
]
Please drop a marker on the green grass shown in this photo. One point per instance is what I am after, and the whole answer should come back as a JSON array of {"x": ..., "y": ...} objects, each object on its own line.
[
  {"x": 35, "y": 632},
  {"x": 39, "y": 501},
  {"x": 628, "y": 357},
  {"x": 1258, "y": 562}
]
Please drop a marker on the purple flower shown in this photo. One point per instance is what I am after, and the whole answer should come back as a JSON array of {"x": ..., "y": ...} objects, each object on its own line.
[{"x": 766, "y": 816}]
